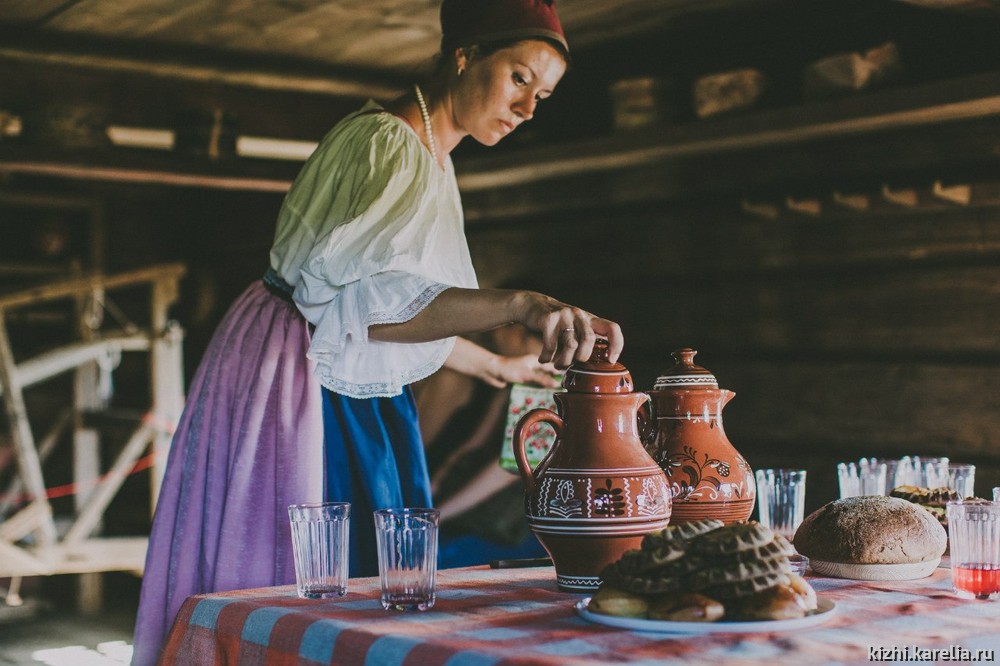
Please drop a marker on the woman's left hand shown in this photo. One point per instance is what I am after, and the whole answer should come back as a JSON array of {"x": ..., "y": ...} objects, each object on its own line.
[{"x": 523, "y": 369}]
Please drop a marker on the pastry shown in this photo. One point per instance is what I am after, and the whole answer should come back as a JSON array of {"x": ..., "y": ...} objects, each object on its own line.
[
  {"x": 805, "y": 592},
  {"x": 683, "y": 532},
  {"x": 736, "y": 572},
  {"x": 686, "y": 607},
  {"x": 612, "y": 601},
  {"x": 744, "y": 588},
  {"x": 696, "y": 573},
  {"x": 733, "y": 538},
  {"x": 779, "y": 602}
]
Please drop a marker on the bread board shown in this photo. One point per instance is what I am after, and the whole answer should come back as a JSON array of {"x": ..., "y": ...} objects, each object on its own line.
[{"x": 905, "y": 571}]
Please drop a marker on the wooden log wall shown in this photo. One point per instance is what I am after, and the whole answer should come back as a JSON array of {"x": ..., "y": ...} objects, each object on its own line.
[{"x": 845, "y": 334}]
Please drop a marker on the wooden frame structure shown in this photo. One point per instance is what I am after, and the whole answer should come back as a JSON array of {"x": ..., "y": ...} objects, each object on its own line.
[{"x": 30, "y": 543}]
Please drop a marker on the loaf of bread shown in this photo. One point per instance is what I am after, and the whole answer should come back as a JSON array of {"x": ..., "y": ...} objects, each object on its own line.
[{"x": 871, "y": 530}]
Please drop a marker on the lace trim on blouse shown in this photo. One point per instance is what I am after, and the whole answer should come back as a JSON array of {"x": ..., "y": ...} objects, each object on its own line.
[
  {"x": 393, "y": 386},
  {"x": 410, "y": 311}
]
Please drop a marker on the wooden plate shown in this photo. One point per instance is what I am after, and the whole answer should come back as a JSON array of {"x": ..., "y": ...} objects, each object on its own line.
[{"x": 909, "y": 571}]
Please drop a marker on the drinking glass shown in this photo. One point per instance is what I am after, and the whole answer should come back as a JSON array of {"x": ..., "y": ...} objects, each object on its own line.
[
  {"x": 926, "y": 472},
  {"x": 974, "y": 539},
  {"x": 407, "y": 541},
  {"x": 781, "y": 504},
  {"x": 319, "y": 545},
  {"x": 909, "y": 471},
  {"x": 996, "y": 494},
  {"x": 867, "y": 477},
  {"x": 960, "y": 477}
]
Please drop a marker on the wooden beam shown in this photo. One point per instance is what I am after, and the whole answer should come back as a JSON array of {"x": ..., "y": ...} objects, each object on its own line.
[
  {"x": 273, "y": 78},
  {"x": 90, "y": 514},
  {"x": 29, "y": 464},
  {"x": 85, "y": 284},
  {"x": 68, "y": 357},
  {"x": 146, "y": 176},
  {"x": 11, "y": 495},
  {"x": 697, "y": 139},
  {"x": 90, "y": 555}
]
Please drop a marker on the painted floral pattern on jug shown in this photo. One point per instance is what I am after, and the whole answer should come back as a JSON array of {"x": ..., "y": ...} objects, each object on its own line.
[
  {"x": 710, "y": 478},
  {"x": 612, "y": 497},
  {"x": 564, "y": 504},
  {"x": 608, "y": 501}
]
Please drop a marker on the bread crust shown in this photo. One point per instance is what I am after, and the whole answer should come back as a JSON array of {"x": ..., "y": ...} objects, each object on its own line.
[{"x": 871, "y": 530}]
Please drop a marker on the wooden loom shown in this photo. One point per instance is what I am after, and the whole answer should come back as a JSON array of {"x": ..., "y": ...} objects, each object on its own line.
[{"x": 30, "y": 542}]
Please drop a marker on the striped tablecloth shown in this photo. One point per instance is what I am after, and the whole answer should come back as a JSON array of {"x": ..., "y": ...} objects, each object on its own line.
[{"x": 517, "y": 616}]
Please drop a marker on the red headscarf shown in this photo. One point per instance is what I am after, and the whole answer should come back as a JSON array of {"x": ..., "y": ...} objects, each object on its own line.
[{"x": 467, "y": 22}]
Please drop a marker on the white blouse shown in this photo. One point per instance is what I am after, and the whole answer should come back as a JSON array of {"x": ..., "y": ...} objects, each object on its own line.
[{"x": 371, "y": 232}]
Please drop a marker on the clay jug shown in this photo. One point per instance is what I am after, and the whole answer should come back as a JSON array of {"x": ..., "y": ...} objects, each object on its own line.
[
  {"x": 597, "y": 492},
  {"x": 707, "y": 475}
]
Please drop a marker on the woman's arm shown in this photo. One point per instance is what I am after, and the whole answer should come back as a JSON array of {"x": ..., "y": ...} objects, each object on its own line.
[
  {"x": 487, "y": 482},
  {"x": 496, "y": 370},
  {"x": 568, "y": 333}
]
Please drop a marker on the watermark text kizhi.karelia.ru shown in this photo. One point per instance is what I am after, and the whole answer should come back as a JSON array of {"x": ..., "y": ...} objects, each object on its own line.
[{"x": 955, "y": 653}]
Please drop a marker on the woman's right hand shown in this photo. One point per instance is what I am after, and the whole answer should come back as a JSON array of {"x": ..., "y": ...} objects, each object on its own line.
[{"x": 568, "y": 332}]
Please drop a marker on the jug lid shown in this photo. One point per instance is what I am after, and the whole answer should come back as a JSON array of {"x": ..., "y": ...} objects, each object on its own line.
[
  {"x": 685, "y": 374},
  {"x": 598, "y": 374}
]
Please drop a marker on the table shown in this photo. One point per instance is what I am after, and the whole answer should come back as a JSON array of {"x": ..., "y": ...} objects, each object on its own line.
[{"x": 487, "y": 617}]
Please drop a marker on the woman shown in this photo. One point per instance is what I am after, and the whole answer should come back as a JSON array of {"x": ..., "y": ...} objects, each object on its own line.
[{"x": 370, "y": 280}]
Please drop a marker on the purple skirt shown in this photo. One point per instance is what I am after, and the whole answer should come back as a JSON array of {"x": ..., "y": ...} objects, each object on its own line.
[{"x": 249, "y": 443}]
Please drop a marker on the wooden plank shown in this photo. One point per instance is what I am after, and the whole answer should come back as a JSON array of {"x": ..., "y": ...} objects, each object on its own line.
[
  {"x": 56, "y": 361},
  {"x": 11, "y": 495},
  {"x": 15, "y": 561},
  {"x": 104, "y": 554},
  {"x": 653, "y": 243},
  {"x": 934, "y": 313},
  {"x": 210, "y": 66},
  {"x": 90, "y": 515},
  {"x": 960, "y": 150},
  {"x": 969, "y": 98},
  {"x": 85, "y": 284},
  {"x": 145, "y": 176},
  {"x": 92, "y": 555},
  {"x": 30, "y": 518},
  {"x": 18, "y": 11},
  {"x": 29, "y": 465},
  {"x": 977, "y": 7},
  {"x": 940, "y": 312}
]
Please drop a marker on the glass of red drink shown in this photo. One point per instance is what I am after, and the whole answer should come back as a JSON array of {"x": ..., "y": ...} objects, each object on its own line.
[{"x": 974, "y": 539}]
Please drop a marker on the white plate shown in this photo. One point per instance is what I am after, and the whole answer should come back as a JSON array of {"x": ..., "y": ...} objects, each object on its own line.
[
  {"x": 826, "y": 609},
  {"x": 907, "y": 571}
]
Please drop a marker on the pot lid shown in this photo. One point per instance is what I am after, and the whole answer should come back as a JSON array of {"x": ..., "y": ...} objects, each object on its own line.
[
  {"x": 598, "y": 374},
  {"x": 685, "y": 374}
]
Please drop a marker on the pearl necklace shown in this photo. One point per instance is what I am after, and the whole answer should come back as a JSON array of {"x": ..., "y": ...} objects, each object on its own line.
[{"x": 428, "y": 130}]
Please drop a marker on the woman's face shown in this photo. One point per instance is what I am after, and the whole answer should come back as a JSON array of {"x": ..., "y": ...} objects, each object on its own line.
[{"x": 498, "y": 92}]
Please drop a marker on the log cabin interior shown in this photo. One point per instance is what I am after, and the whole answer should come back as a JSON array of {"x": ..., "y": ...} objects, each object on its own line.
[{"x": 822, "y": 223}]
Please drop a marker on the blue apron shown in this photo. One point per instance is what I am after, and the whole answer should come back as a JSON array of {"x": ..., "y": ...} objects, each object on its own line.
[{"x": 374, "y": 459}]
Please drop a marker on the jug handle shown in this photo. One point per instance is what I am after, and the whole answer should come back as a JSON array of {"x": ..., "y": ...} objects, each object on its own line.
[
  {"x": 645, "y": 415},
  {"x": 520, "y": 457}
]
